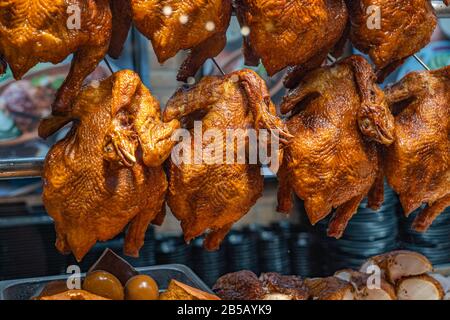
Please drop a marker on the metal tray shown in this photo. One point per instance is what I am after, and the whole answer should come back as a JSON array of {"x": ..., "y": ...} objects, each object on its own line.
[{"x": 26, "y": 289}]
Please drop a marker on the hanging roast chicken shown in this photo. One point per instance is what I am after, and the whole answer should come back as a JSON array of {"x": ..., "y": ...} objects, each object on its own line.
[
  {"x": 417, "y": 164},
  {"x": 210, "y": 193},
  {"x": 173, "y": 25},
  {"x": 339, "y": 118},
  {"x": 292, "y": 33},
  {"x": 49, "y": 31},
  {"x": 391, "y": 31},
  {"x": 106, "y": 173}
]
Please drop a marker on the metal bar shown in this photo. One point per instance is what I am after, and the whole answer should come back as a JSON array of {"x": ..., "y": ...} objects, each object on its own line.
[
  {"x": 21, "y": 168},
  {"x": 218, "y": 66},
  {"x": 331, "y": 59},
  {"x": 108, "y": 65},
  {"x": 424, "y": 65},
  {"x": 442, "y": 11}
]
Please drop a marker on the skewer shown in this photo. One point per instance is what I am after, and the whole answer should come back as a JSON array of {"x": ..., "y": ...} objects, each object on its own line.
[
  {"x": 21, "y": 168},
  {"x": 422, "y": 63},
  {"x": 108, "y": 65},
  {"x": 331, "y": 59},
  {"x": 217, "y": 66}
]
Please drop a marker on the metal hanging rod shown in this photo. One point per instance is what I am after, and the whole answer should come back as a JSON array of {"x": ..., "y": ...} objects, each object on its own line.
[
  {"x": 21, "y": 168},
  {"x": 218, "y": 66},
  {"x": 442, "y": 11}
]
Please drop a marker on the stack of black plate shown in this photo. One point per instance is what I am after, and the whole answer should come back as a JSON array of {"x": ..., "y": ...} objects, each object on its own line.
[
  {"x": 368, "y": 233},
  {"x": 172, "y": 250},
  {"x": 241, "y": 249},
  {"x": 273, "y": 252},
  {"x": 303, "y": 255},
  {"x": 209, "y": 265},
  {"x": 284, "y": 228},
  {"x": 434, "y": 244}
]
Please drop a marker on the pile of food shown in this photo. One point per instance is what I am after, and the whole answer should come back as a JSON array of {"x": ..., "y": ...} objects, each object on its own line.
[
  {"x": 101, "y": 285},
  {"x": 397, "y": 275},
  {"x": 112, "y": 278}
]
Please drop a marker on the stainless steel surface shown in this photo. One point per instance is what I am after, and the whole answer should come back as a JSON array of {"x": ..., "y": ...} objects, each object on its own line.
[
  {"x": 442, "y": 10},
  {"x": 21, "y": 168},
  {"x": 25, "y": 289}
]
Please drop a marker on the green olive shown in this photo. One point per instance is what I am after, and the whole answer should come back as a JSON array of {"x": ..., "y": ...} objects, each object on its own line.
[
  {"x": 104, "y": 284},
  {"x": 141, "y": 287}
]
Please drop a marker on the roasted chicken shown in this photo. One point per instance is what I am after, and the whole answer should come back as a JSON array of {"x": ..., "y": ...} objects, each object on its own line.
[
  {"x": 207, "y": 191},
  {"x": 339, "y": 118},
  {"x": 73, "y": 295},
  {"x": 245, "y": 285},
  {"x": 417, "y": 165},
  {"x": 106, "y": 173},
  {"x": 365, "y": 288},
  {"x": 291, "y": 33},
  {"x": 391, "y": 31},
  {"x": 49, "y": 31},
  {"x": 330, "y": 288},
  {"x": 423, "y": 287},
  {"x": 173, "y": 25},
  {"x": 398, "y": 264}
]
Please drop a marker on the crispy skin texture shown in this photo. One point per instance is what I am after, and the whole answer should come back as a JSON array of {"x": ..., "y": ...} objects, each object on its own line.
[
  {"x": 106, "y": 173},
  {"x": 406, "y": 27},
  {"x": 339, "y": 116},
  {"x": 169, "y": 35},
  {"x": 330, "y": 288},
  {"x": 212, "y": 195},
  {"x": 290, "y": 286},
  {"x": 242, "y": 285},
  {"x": 74, "y": 295},
  {"x": 181, "y": 291},
  {"x": 245, "y": 285},
  {"x": 417, "y": 165},
  {"x": 287, "y": 33},
  {"x": 37, "y": 31}
]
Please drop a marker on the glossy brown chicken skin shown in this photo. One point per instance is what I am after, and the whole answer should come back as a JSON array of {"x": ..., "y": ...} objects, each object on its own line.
[
  {"x": 207, "y": 195},
  {"x": 38, "y": 31},
  {"x": 417, "y": 165},
  {"x": 288, "y": 33},
  {"x": 174, "y": 25},
  {"x": 339, "y": 118},
  {"x": 106, "y": 173},
  {"x": 406, "y": 26}
]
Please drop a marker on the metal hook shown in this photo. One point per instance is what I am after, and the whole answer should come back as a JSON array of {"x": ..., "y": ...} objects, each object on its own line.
[
  {"x": 108, "y": 65},
  {"x": 218, "y": 67}
]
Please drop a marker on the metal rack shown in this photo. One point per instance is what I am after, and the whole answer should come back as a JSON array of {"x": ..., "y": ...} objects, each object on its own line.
[{"x": 32, "y": 167}]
